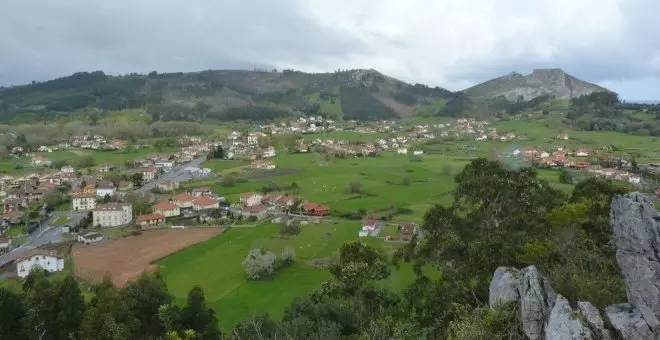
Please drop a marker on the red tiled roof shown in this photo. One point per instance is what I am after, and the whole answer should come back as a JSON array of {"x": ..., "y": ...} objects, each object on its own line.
[
  {"x": 149, "y": 170},
  {"x": 201, "y": 190},
  {"x": 314, "y": 206},
  {"x": 370, "y": 223},
  {"x": 51, "y": 186},
  {"x": 205, "y": 201},
  {"x": 256, "y": 208},
  {"x": 164, "y": 205},
  {"x": 183, "y": 197},
  {"x": 11, "y": 214},
  {"x": 247, "y": 194},
  {"x": 149, "y": 217}
]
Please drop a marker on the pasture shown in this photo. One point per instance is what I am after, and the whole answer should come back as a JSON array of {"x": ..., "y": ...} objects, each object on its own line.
[{"x": 215, "y": 265}]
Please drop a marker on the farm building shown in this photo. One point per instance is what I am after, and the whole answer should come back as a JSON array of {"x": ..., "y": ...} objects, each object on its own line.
[
  {"x": 90, "y": 237},
  {"x": 149, "y": 220}
]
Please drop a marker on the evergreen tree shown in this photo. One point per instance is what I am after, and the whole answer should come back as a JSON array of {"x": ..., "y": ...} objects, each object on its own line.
[
  {"x": 196, "y": 315},
  {"x": 12, "y": 314},
  {"x": 71, "y": 308},
  {"x": 142, "y": 300},
  {"x": 103, "y": 319}
]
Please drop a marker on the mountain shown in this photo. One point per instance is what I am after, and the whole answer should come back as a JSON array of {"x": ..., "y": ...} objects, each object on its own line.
[
  {"x": 221, "y": 95},
  {"x": 541, "y": 82}
]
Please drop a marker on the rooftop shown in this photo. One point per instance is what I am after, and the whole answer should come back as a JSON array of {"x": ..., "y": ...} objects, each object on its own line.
[
  {"x": 149, "y": 217},
  {"x": 164, "y": 205},
  {"x": 39, "y": 252}
]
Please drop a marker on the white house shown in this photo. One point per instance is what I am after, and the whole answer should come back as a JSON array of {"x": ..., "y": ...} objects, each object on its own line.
[
  {"x": 105, "y": 189},
  {"x": 5, "y": 244},
  {"x": 167, "y": 209},
  {"x": 635, "y": 179},
  {"x": 90, "y": 237},
  {"x": 83, "y": 201},
  {"x": 268, "y": 152},
  {"x": 149, "y": 174},
  {"x": 249, "y": 199},
  {"x": 418, "y": 152},
  {"x": 253, "y": 139},
  {"x": 204, "y": 203},
  {"x": 582, "y": 153},
  {"x": 48, "y": 259},
  {"x": 164, "y": 163},
  {"x": 112, "y": 214},
  {"x": 402, "y": 151},
  {"x": 68, "y": 169}
]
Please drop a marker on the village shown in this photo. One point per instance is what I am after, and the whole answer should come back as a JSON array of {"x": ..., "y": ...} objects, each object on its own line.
[{"x": 89, "y": 203}]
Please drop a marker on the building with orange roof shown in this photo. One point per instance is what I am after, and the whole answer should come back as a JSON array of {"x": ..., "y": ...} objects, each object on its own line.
[{"x": 166, "y": 208}]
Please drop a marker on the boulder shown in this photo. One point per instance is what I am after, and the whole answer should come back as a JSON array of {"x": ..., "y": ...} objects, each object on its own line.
[
  {"x": 536, "y": 301},
  {"x": 629, "y": 322},
  {"x": 505, "y": 286},
  {"x": 565, "y": 324},
  {"x": 594, "y": 320},
  {"x": 635, "y": 225}
]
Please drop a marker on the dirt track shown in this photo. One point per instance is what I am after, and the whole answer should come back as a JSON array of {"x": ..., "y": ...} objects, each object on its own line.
[{"x": 126, "y": 258}]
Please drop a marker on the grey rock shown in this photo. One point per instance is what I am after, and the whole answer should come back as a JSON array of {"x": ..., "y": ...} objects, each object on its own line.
[
  {"x": 536, "y": 301},
  {"x": 505, "y": 286},
  {"x": 553, "y": 82},
  {"x": 635, "y": 225},
  {"x": 564, "y": 324},
  {"x": 594, "y": 320},
  {"x": 629, "y": 322}
]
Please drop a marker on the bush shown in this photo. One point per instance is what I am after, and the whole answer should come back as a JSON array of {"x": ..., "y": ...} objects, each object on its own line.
[
  {"x": 446, "y": 170},
  {"x": 291, "y": 229},
  {"x": 288, "y": 256},
  {"x": 259, "y": 265},
  {"x": 354, "y": 188},
  {"x": 252, "y": 219},
  {"x": 565, "y": 177}
]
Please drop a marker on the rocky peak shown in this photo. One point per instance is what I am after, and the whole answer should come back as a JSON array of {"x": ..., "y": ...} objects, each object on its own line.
[{"x": 547, "y": 315}]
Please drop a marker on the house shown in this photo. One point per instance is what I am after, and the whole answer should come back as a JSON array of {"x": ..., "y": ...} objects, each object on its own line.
[
  {"x": 635, "y": 179},
  {"x": 315, "y": 209},
  {"x": 106, "y": 168},
  {"x": 5, "y": 244},
  {"x": 582, "y": 153},
  {"x": 370, "y": 225},
  {"x": 47, "y": 186},
  {"x": 407, "y": 231},
  {"x": 263, "y": 164},
  {"x": 13, "y": 204},
  {"x": 183, "y": 200},
  {"x": 68, "y": 170},
  {"x": 259, "y": 211},
  {"x": 105, "y": 189},
  {"x": 164, "y": 163},
  {"x": 150, "y": 220},
  {"x": 168, "y": 185},
  {"x": 249, "y": 199},
  {"x": 49, "y": 259},
  {"x": 125, "y": 186},
  {"x": 402, "y": 151},
  {"x": 90, "y": 237},
  {"x": 202, "y": 192},
  {"x": 285, "y": 202},
  {"x": 12, "y": 217},
  {"x": 166, "y": 208},
  {"x": 268, "y": 152},
  {"x": 40, "y": 161},
  {"x": 204, "y": 203},
  {"x": 112, "y": 214},
  {"x": 418, "y": 152},
  {"x": 149, "y": 174},
  {"x": 83, "y": 201},
  {"x": 270, "y": 199}
]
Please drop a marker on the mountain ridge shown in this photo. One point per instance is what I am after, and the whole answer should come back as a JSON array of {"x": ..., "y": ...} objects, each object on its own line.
[{"x": 552, "y": 82}]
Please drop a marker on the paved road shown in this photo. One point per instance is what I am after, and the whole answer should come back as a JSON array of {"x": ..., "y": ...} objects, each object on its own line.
[
  {"x": 45, "y": 234},
  {"x": 177, "y": 174}
]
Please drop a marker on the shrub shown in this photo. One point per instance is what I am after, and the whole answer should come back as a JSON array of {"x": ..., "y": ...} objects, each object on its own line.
[
  {"x": 259, "y": 265},
  {"x": 288, "y": 256},
  {"x": 291, "y": 229},
  {"x": 354, "y": 188}
]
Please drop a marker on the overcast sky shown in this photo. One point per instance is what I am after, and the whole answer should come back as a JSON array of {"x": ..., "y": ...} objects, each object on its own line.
[{"x": 449, "y": 43}]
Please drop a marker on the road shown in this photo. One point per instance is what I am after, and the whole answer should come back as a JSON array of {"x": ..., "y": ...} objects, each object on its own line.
[
  {"x": 177, "y": 174},
  {"x": 45, "y": 234}
]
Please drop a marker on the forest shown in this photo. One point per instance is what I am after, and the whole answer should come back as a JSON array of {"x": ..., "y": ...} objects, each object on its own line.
[{"x": 499, "y": 216}]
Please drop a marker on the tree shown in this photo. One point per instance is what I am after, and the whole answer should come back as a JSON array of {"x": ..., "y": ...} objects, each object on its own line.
[
  {"x": 354, "y": 188},
  {"x": 358, "y": 265},
  {"x": 139, "y": 201},
  {"x": 104, "y": 317},
  {"x": 53, "y": 199},
  {"x": 633, "y": 165},
  {"x": 259, "y": 265},
  {"x": 41, "y": 308},
  {"x": 446, "y": 170},
  {"x": 218, "y": 152},
  {"x": 565, "y": 177},
  {"x": 228, "y": 181},
  {"x": 86, "y": 161},
  {"x": 288, "y": 256},
  {"x": 197, "y": 316},
  {"x": 71, "y": 306},
  {"x": 143, "y": 299},
  {"x": 136, "y": 179},
  {"x": 12, "y": 315},
  {"x": 257, "y": 327}
]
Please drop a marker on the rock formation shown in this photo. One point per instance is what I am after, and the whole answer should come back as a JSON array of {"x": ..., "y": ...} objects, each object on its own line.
[{"x": 546, "y": 315}]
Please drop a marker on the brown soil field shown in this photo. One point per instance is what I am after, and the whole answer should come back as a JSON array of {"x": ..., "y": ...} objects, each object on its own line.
[{"x": 125, "y": 259}]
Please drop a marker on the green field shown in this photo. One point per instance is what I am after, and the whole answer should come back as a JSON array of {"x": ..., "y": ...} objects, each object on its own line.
[
  {"x": 61, "y": 220},
  {"x": 216, "y": 266}
]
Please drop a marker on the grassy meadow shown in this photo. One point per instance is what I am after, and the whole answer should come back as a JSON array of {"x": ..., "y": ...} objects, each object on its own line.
[{"x": 216, "y": 266}]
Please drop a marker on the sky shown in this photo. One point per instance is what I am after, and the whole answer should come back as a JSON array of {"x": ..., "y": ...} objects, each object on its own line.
[{"x": 449, "y": 43}]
